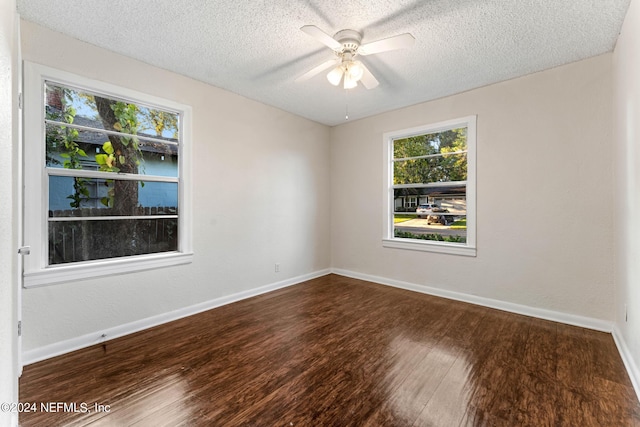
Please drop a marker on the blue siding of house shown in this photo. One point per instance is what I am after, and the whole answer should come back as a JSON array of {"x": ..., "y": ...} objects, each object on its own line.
[{"x": 152, "y": 194}]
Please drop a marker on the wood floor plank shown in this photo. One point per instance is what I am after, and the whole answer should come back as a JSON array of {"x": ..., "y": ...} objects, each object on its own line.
[
  {"x": 336, "y": 351},
  {"x": 450, "y": 400},
  {"x": 417, "y": 386}
]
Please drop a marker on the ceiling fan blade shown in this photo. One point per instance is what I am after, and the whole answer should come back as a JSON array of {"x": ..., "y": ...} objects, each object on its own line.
[
  {"x": 317, "y": 70},
  {"x": 322, "y": 37},
  {"x": 367, "y": 78},
  {"x": 400, "y": 41}
]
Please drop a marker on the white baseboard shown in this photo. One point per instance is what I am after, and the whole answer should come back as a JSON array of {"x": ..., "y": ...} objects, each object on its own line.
[
  {"x": 627, "y": 359},
  {"x": 67, "y": 346},
  {"x": 556, "y": 316},
  {"x": 72, "y": 344}
]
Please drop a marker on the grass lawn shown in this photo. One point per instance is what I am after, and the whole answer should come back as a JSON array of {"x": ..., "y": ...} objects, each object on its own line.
[
  {"x": 402, "y": 218},
  {"x": 460, "y": 224}
]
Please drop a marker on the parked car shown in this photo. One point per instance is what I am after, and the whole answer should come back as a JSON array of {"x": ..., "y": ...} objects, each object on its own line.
[
  {"x": 430, "y": 211},
  {"x": 425, "y": 210},
  {"x": 439, "y": 219}
]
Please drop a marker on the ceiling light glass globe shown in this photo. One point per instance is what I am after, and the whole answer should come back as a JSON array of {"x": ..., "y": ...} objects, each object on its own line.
[
  {"x": 335, "y": 75},
  {"x": 356, "y": 70},
  {"x": 349, "y": 83}
]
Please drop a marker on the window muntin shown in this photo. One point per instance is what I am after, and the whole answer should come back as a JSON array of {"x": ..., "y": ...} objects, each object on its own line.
[
  {"x": 431, "y": 187},
  {"x": 113, "y": 195}
]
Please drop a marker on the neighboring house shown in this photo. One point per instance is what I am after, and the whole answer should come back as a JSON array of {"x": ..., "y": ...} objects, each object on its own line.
[
  {"x": 159, "y": 160},
  {"x": 451, "y": 197}
]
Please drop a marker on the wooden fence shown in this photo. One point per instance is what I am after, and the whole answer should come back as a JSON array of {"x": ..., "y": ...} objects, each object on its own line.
[{"x": 87, "y": 234}]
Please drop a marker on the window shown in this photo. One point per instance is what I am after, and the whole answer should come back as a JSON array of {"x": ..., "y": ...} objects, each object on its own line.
[
  {"x": 106, "y": 179},
  {"x": 430, "y": 187}
]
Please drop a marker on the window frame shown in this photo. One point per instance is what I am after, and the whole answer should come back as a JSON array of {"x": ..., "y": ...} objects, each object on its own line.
[
  {"x": 388, "y": 239},
  {"x": 36, "y": 270}
]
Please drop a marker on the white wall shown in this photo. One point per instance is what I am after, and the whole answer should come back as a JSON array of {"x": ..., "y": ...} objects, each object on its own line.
[
  {"x": 260, "y": 191},
  {"x": 8, "y": 244},
  {"x": 626, "y": 102},
  {"x": 544, "y": 210}
]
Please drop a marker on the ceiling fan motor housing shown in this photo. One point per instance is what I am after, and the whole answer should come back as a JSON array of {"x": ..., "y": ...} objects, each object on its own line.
[{"x": 350, "y": 40}]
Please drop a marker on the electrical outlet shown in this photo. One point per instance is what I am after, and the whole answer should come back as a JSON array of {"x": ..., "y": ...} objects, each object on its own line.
[{"x": 277, "y": 268}]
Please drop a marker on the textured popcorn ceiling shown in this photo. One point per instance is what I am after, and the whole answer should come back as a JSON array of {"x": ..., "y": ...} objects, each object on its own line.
[{"x": 256, "y": 48}]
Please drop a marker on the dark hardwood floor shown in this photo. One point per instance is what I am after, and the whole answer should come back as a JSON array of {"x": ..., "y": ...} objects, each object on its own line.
[{"x": 336, "y": 351}]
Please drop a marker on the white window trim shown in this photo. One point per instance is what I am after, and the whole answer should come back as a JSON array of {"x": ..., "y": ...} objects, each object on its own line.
[
  {"x": 388, "y": 240},
  {"x": 36, "y": 271}
]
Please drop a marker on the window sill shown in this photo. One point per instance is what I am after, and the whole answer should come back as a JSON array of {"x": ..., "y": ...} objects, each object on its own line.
[
  {"x": 421, "y": 245},
  {"x": 100, "y": 268}
]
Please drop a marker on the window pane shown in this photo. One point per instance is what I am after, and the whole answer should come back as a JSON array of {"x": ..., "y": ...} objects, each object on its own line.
[
  {"x": 68, "y": 105},
  {"x": 78, "y": 197},
  {"x": 433, "y": 143},
  {"x": 74, "y": 241},
  {"x": 84, "y": 108},
  {"x": 71, "y": 148},
  {"x": 447, "y": 167},
  {"x": 440, "y": 213}
]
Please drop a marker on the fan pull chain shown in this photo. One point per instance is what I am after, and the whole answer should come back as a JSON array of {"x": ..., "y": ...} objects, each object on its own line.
[{"x": 346, "y": 104}]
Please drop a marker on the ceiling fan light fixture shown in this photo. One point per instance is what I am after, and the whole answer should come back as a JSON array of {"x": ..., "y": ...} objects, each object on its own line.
[
  {"x": 352, "y": 72},
  {"x": 346, "y": 45},
  {"x": 355, "y": 70},
  {"x": 349, "y": 81},
  {"x": 335, "y": 75}
]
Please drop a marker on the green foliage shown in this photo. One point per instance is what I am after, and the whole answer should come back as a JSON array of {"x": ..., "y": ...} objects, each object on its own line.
[
  {"x": 146, "y": 119},
  {"x": 65, "y": 139},
  {"x": 80, "y": 192},
  {"x": 68, "y": 136},
  {"x": 111, "y": 194},
  {"x": 126, "y": 114},
  {"x": 441, "y": 165},
  {"x": 130, "y": 153},
  {"x": 120, "y": 152},
  {"x": 430, "y": 236},
  {"x": 107, "y": 162},
  {"x": 159, "y": 121}
]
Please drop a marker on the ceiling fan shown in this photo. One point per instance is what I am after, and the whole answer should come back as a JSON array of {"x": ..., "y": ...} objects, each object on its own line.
[{"x": 346, "y": 46}]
